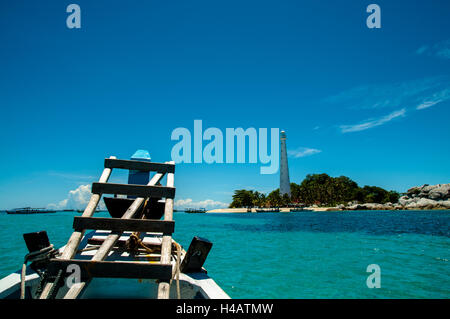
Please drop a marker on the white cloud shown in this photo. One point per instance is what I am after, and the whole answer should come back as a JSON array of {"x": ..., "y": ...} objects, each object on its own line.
[
  {"x": 208, "y": 204},
  {"x": 444, "y": 53},
  {"x": 389, "y": 95},
  {"x": 422, "y": 49},
  {"x": 401, "y": 96},
  {"x": 76, "y": 199},
  {"x": 426, "y": 105},
  {"x": 370, "y": 123},
  {"x": 70, "y": 176},
  {"x": 302, "y": 152},
  {"x": 440, "y": 50},
  {"x": 79, "y": 198},
  {"x": 434, "y": 99}
]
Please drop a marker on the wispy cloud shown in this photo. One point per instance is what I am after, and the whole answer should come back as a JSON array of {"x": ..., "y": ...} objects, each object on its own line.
[
  {"x": 434, "y": 99},
  {"x": 422, "y": 49},
  {"x": 208, "y": 204},
  {"x": 302, "y": 152},
  {"x": 440, "y": 50},
  {"x": 389, "y": 95},
  {"x": 71, "y": 176},
  {"x": 426, "y": 105},
  {"x": 402, "y": 97},
  {"x": 79, "y": 198},
  {"x": 370, "y": 123}
]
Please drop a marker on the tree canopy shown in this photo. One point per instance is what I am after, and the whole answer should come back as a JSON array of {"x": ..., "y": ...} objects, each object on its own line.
[{"x": 320, "y": 189}]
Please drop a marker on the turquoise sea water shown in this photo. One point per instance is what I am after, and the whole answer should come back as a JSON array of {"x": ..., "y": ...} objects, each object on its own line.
[{"x": 293, "y": 255}]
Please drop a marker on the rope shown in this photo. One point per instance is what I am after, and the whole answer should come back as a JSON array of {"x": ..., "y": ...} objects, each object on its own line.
[
  {"x": 134, "y": 242},
  {"x": 35, "y": 256},
  {"x": 56, "y": 285}
]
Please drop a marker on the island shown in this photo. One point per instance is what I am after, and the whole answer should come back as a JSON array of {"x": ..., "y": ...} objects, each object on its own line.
[{"x": 321, "y": 192}]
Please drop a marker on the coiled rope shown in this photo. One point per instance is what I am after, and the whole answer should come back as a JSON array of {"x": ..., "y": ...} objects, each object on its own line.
[
  {"x": 134, "y": 242},
  {"x": 35, "y": 256}
]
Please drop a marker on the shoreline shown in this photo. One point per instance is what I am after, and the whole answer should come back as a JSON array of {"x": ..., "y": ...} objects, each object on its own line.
[
  {"x": 425, "y": 197},
  {"x": 313, "y": 209}
]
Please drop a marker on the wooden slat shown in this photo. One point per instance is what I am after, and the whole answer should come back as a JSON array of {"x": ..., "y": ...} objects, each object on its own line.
[
  {"x": 112, "y": 238},
  {"x": 140, "y": 165},
  {"x": 119, "y": 224},
  {"x": 99, "y": 241},
  {"x": 123, "y": 243},
  {"x": 75, "y": 239},
  {"x": 166, "y": 245},
  {"x": 144, "y": 191},
  {"x": 114, "y": 269}
]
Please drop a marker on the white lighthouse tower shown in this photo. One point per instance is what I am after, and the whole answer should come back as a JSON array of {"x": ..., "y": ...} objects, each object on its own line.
[{"x": 285, "y": 184}]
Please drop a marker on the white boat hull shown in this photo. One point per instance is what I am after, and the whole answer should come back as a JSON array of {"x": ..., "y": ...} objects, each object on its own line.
[{"x": 192, "y": 286}]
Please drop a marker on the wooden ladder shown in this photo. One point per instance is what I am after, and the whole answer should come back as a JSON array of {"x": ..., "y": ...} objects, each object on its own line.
[{"x": 97, "y": 266}]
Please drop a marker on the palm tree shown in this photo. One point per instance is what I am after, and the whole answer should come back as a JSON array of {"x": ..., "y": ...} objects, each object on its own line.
[{"x": 274, "y": 198}]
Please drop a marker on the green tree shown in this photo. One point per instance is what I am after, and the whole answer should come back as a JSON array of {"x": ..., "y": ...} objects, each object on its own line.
[
  {"x": 285, "y": 200},
  {"x": 392, "y": 197},
  {"x": 274, "y": 198},
  {"x": 259, "y": 199},
  {"x": 242, "y": 198},
  {"x": 296, "y": 193},
  {"x": 317, "y": 189},
  {"x": 374, "y": 194}
]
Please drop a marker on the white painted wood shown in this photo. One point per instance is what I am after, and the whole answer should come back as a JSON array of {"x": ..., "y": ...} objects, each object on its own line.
[
  {"x": 75, "y": 239},
  {"x": 197, "y": 281},
  {"x": 109, "y": 242},
  {"x": 166, "y": 246}
]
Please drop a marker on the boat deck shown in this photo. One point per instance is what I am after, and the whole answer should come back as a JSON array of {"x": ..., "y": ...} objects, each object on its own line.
[
  {"x": 192, "y": 285},
  {"x": 137, "y": 247}
]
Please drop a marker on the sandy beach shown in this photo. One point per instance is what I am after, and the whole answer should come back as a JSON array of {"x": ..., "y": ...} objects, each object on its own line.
[{"x": 253, "y": 210}]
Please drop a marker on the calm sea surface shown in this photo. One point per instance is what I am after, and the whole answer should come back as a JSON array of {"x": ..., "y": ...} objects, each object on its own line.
[{"x": 293, "y": 255}]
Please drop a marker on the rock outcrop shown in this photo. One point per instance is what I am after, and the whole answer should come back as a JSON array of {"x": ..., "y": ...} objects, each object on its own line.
[
  {"x": 427, "y": 197},
  {"x": 419, "y": 197}
]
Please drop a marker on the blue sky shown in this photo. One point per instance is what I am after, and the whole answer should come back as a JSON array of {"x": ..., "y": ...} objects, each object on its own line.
[{"x": 371, "y": 104}]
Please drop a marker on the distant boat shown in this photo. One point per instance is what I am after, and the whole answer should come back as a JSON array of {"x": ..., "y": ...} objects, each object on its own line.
[
  {"x": 29, "y": 210},
  {"x": 267, "y": 210},
  {"x": 195, "y": 210},
  {"x": 300, "y": 209}
]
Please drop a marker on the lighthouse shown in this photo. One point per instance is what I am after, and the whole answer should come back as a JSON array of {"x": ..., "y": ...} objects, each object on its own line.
[{"x": 285, "y": 184}]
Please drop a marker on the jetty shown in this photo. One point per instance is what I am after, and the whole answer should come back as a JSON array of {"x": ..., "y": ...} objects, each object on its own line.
[
  {"x": 29, "y": 210},
  {"x": 195, "y": 210}
]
